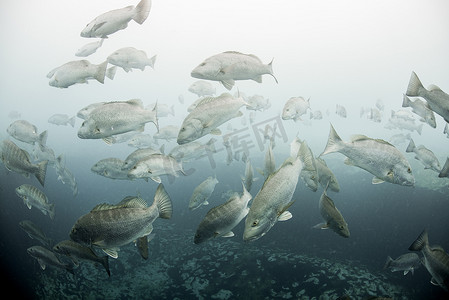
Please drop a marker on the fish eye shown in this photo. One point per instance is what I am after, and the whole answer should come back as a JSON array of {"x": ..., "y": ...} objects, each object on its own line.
[
  {"x": 203, "y": 64},
  {"x": 341, "y": 226},
  {"x": 409, "y": 170},
  {"x": 255, "y": 223}
]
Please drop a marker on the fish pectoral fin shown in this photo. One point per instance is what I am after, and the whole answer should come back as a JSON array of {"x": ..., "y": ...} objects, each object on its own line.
[
  {"x": 95, "y": 28},
  {"x": 349, "y": 162},
  {"x": 42, "y": 264},
  {"x": 27, "y": 204},
  {"x": 206, "y": 203},
  {"x": 377, "y": 180},
  {"x": 286, "y": 215},
  {"x": 156, "y": 179},
  {"x": 228, "y": 83},
  {"x": 228, "y": 234},
  {"x": 321, "y": 226},
  {"x": 108, "y": 140},
  {"x": 434, "y": 282},
  {"x": 112, "y": 252},
  {"x": 405, "y": 272},
  {"x": 257, "y": 79}
]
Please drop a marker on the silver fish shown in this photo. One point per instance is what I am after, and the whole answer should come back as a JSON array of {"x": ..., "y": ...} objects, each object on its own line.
[
  {"x": 46, "y": 257},
  {"x": 422, "y": 109},
  {"x": 249, "y": 176},
  {"x": 78, "y": 71},
  {"x": 202, "y": 193},
  {"x": 273, "y": 200},
  {"x": 309, "y": 173},
  {"x": 220, "y": 220},
  {"x": 425, "y": 156},
  {"x": 114, "y": 118},
  {"x": 112, "y": 226},
  {"x": 89, "y": 48},
  {"x": 202, "y": 88},
  {"x": 35, "y": 232},
  {"x": 333, "y": 219},
  {"x": 376, "y": 156},
  {"x": 137, "y": 155},
  {"x": 193, "y": 150},
  {"x": 340, "y": 110},
  {"x": 229, "y": 66},
  {"x": 26, "y": 132},
  {"x": 110, "y": 168},
  {"x": 154, "y": 166},
  {"x": 62, "y": 119},
  {"x": 208, "y": 115},
  {"x": 326, "y": 177},
  {"x": 437, "y": 100},
  {"x": 294, "y": 108},
  {"x": 18, "y": 160},
  {"x": 436, "y": 260},
  {"x": 117, "y": 19},
  {"x": 129, "y": 58},
  {"x": 77, "y": 251},
  {"x": 406, "y": 262},
  {"x": 33, "y": 197}
]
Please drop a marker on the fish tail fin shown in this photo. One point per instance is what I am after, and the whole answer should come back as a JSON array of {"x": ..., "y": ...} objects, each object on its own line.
[
  {"x": 43, "y": 138},
  {"x": 421, "y": 242},
  {"x": 414, "y": 86},
  {"x": 270, "y": 69},
  {"x": 333, "y": 143},
  {"x": 141, "y": 11},
  {"x": 445, "y": 170},
  {"x": 406, "y": 101},
  {"x": 388, "y": 262},
  {"x": 110, "y": 73},
  {"x": 42, "y": 171},
  {"x": 151, "y": 61},
  {"x": 101, "y": 72},
  {"x": 105, "y": 262},
  {"x": 72, "y": 121},
  {"x": 411, "y": 146},
  {"x": 163, "y": 202}
]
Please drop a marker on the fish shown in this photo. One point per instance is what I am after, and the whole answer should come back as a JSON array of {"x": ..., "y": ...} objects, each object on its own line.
[
  {"x": 374, "y": 115},
  {"x": 340, "y": 110},
  {"x": 269, "y": 162},
  {"x": 77, "y": 251},
  {"x": 140, "y": 140},
  {"x": 202, "y": 88},
  {"x": 77, "y": 71},
  {"x": 376, "y": 156},
  {"x": 89, "y": 48},
  {"x": 436, "y": 260},
  {"x": 129, "y": 58},
  {"x": 35, "y": 232},
  {"x": 229, "y": 66},
  {"x": 117, "y": 19},
  {"x": 202, "y": 193},
  {"x": 403, "y": 122},
  {"x": 316, "y": 115},
  {"x": 333, "y": 219},
  {"x": 47, "y": 257},
  {"x": 445, "y": 170},
  {"x": 110, "y": 168},
  {"x": 116, "y": 117},
  {"x": 400, "y": 138},
  {"x": 210, "y": 113},
  {"x": 294, "y": 108},
  {"x": 168, "y": 133},
  {"x": 163, "y": 110},
  {"x": 18, "y": 160},
  {"x": 249, "y": 176},
  {"x": 258, "y": 102},
  {"x": 309, "y": 173},
  {"x": 437, "y": 100},
  {"x": 425, "y": 156},
  {"x": 326, "y": 177},
  {"x": 422, "y": 109},
  {"x": 193, "y": 150},
  {"x": 154, "y": 166},
  {"x": 273, "y": 200},
  {"x": 26, "y": 132},
  {"x": 62, "y": 119},
  {"x": 137, "y": 155},
  {"x": 64, "y": 174},
  {"x": 407, "y": 262},
  {"x": 32, "y": 196},
  {"x": 111, "y": 226},
  {"x": 220, "y": 220}
]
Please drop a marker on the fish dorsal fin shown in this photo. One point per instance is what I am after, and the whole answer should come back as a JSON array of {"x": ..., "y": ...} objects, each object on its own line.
[
  {"x": 359, "y": 137},
  {"x": 234, "y": 52},
  {"x": 206, "y": 100},
  {"x": 383, "y": 142},
  {"x": 132, "y": 202},
  {"x": 136, "y": 102},
  {"x": 97, "y": 26},
  {"x": 437, "y": 248},
  {"x": 433, "y": 87},
  {"x": 103, "y": 206},
  {"x": 329, "y": 200}
]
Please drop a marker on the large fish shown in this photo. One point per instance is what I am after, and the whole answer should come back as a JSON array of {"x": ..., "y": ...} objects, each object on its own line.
[
  {"x": 129, "y": 58},
  {"x": 437, "y": 100},
  {"x": 26, "y": 132},
  {"x": 325, "y": 176},
  {"x": 376, "y": 156},
  {"x": 79, "y": 71},
  {"x": 77, "y": 251},
  {"x": 32, "y": 196},
  {"x": 333, "y": 219},
  {"x": 273, "y": 200},
  {"x": 46, "y": 257},
  {"x": 220, "y": 220},
  {"x": 112, "y": 226},
  {"x": 425, "y": 156},
  {"x": 208, "y": 115},
  {"x": 117, "y": 19},
  {"x": 18, "y": 160},
  {"x": 114, "y": 118},
  {"x": 436, "y": 260},
  {"x": 202, "y": 193},
  {"x": 229, "y": 66},
  {"x": 422, "y": 109},
  {"x": 111, "y": 168},
  {"x": 154, "y": 166},
  {"x": 407, "y": 262}
]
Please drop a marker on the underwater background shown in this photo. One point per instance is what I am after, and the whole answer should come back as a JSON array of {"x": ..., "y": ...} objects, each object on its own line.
[{"x": 348, "y": 53}]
